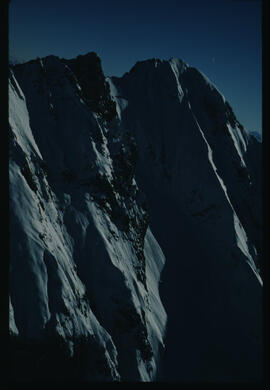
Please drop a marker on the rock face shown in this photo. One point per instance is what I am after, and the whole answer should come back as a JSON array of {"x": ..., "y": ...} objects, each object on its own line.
[{"x": 135, "y": 226}]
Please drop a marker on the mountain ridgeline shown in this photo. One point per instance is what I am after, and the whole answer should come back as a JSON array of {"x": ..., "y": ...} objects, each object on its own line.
[{"x": 135, "y": 226}]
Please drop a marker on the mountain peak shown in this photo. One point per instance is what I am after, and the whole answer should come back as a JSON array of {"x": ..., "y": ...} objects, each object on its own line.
[
  {"x": 153, "y": 63},
  {"x": 101, "y": 208}
]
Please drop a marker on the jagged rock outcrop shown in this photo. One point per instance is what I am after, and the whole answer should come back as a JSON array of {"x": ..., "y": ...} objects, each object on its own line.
[
  {"x": 94, "y": 88},
  {"x": 108, "y": 178}
]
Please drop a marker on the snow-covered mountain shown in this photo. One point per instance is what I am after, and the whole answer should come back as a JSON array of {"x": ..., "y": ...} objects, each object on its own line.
[
  {"x": 135, "y": 226},
  {"x": 257, "y": 135}
]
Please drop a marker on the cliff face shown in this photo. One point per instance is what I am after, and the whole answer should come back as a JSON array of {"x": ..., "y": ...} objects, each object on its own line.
[
  {"x": 205, "y": 211},
  {"x": 110, "y": 180}
]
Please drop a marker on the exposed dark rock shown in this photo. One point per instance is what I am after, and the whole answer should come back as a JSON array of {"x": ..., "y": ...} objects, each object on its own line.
[{"x": 94, "y": 88}]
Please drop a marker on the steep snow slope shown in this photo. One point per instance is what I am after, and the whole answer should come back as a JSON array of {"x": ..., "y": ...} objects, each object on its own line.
[
  {"x": 203, "y": 204},
  {"x": 80, "y": 240},
  {"x": 108, "y": 178}
]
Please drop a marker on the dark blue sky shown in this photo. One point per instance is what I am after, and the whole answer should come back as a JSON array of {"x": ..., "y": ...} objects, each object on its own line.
[{"x": 222, "y": 38}]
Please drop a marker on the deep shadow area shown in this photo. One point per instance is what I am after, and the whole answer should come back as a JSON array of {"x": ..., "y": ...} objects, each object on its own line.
[{"x": 204, "y": 340}]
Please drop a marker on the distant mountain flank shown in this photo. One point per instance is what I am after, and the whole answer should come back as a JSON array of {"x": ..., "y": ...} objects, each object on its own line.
[{"x": 257, "y": 135}]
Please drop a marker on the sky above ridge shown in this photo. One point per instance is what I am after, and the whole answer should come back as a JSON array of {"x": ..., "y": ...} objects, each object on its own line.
[{"x": 222, "y": 38}]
